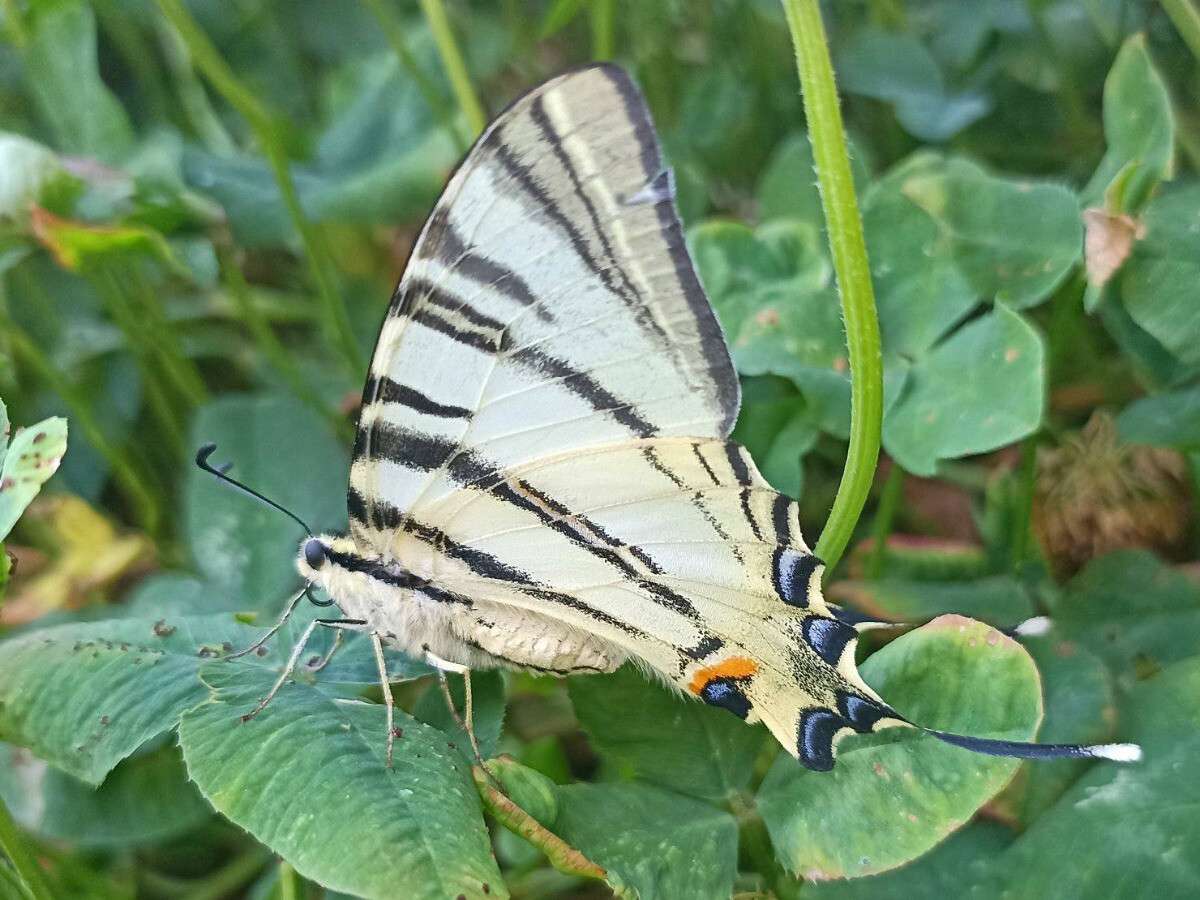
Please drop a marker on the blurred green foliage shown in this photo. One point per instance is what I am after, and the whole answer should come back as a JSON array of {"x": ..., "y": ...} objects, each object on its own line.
[{"x": 203, "y": 209}]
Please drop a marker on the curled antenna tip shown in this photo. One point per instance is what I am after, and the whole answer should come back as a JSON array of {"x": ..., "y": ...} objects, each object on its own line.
[
  {"x": 203, "y": 453},
  {"x": 1117, "y": 752},
  {"x": 1035, "y": 627}
]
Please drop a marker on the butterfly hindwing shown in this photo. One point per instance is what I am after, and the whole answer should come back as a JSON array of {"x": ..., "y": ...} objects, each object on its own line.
[{"x": 676, "y": 552}]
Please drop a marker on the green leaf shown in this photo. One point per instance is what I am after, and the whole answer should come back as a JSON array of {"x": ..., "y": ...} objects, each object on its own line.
[
  {"x": 1158, "y": 283},
  {"x": 893, "y": 796},
  {"x": 487, "y": 689},
  {"x": 646, "y": 732},
  {"x": 964, "y": 865},
  {"x": 1171, "y": 419},
  {"x": 1136, "y": 825},
  {"x": 999, "y": 600},
  {"x": 981, "y": 388},
  {"x": 920, "y": 292},
  {"x": 1012, "y": 240},
  {"x": 308, "y": 766},
  {"x": 1080, "y": 708},
  {"x": 897, "y": 69},
  {"x": 63, "y": 75},
  {"x": 282, "y": 448},
  {"x": 773, "y": 291},
  {"x": 30, "y": 460},
  {"x": 146, "y": 799},
  {"x": 1133, "y": 611},
  {"x": 381, "y": 158},
  {"x": 787, "y": 188},
  {"x": 652, "y": 841},
  {"x": 83, "y": 696},
  {"x": 1138, "y": 126}
]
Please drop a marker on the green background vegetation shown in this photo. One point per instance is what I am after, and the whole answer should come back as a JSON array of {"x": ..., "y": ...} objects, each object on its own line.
[{"x": 203, "y": 210}]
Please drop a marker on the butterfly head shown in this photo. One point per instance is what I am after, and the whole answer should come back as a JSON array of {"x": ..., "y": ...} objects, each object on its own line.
[{"x": 323, "y": 557}]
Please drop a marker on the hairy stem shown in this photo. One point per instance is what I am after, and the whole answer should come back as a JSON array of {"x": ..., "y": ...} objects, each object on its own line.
[
  {"x": 562, "y": 855},
  {"x": 849, "y": 252}
]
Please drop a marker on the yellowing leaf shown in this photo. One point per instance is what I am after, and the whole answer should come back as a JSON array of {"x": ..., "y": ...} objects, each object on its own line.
[
  {"x": 91, "y": 556},
  {"x": 76, "y": 245}
]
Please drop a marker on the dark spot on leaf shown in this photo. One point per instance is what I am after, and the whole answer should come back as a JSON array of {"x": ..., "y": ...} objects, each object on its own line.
[
  {"x": 6, "y": 484},
  {"x": 39, "y": 437},
  {"x": 487, "y": 888},
  {"x": 397, "y": 733},
  {"x": 227, "y": 647},
  {"x": 261, "y": 651},
  {"x": 104, "y": 720},
  {"x": 451, "y": 745},
  {"x": 162, "y": 629}
]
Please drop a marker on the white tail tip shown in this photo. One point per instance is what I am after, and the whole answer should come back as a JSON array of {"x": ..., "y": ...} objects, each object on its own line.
[
  {"x": 1035, "y": 627},
  {"x": 1117, "y": 752}
]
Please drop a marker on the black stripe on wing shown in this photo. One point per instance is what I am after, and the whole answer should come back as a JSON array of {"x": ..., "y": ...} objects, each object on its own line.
[{"x": 385, "y": 390}]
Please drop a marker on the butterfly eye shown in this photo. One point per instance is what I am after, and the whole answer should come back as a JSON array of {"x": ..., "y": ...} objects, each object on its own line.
[{"x": 314, "y": 553}]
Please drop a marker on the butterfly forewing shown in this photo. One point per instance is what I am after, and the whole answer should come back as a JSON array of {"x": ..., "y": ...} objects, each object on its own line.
[{"x": 549, "y": 305}]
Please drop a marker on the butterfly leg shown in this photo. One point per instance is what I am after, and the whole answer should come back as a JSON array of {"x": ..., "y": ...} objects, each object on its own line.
[
  {"x": 388, "y": 701},
  {"x": 287, "y": 614},
  {"x": 324, "y": 660},
  {"x": 347, "y": 624}
]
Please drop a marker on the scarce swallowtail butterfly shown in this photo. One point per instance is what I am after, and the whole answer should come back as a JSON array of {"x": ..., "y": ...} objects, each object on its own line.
[{"x": 542, "y": 477}]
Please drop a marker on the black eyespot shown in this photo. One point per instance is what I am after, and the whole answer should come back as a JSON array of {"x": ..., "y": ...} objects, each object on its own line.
[{"x": 314, "y": 553}]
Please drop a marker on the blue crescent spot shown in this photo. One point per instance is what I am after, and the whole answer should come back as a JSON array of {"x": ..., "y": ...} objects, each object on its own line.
[
  {"x": 828, "y": 637},
  {"x": 814, "y": 738},
  {"x": 861, "y": 713},
  {"x": 727, "y": 694},
  {"x": 793, "y": 573}
]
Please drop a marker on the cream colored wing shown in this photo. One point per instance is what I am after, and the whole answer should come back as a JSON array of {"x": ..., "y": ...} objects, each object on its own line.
[
  {"x": 674, "y": 550},
  {"x": 549, "y": 305}
]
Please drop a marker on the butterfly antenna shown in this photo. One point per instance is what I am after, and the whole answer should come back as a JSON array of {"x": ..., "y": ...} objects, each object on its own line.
[{"x": 219, "y": 472}]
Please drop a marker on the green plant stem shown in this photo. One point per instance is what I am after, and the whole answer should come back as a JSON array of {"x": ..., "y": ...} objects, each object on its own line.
[
  {"x": 849, "y": 252},
  {"x": 264, "y": 124},
  {"x": 603, "y": 16},
  {"x": 132, "y": 484},
  {"x": 394, "y": 32},
  {"x": 287, "y": 882},
  {"x": 455, "y": 65},
  {"x": 193, "y": 100},
  {"x": 1186, "y": 19},
  {"x": 885, "y": 517},
  {"x": 264, "y": 338},
  {"x": 18, "y": 853}
]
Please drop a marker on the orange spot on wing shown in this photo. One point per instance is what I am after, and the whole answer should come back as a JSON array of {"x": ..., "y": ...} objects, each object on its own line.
[{"x": 734, "y": 667}]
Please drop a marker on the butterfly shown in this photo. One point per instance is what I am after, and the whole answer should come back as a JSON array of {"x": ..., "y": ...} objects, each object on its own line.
[{"x": 542, "y": 477}]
